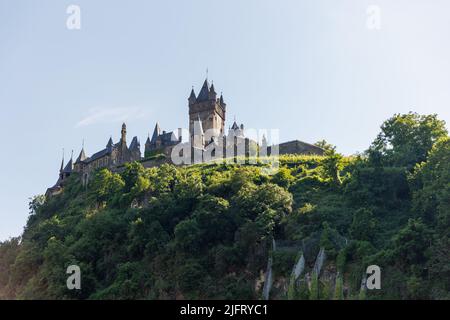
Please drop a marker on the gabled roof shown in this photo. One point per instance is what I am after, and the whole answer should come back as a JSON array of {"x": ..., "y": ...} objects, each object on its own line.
[
  {"x": 168, "y": 138},
  {"x": 235, "y": 126}
]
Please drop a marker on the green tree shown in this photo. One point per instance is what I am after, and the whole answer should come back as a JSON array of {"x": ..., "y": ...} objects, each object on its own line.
[
  {"x": 105, "y": 186},
  {"x": 339, "y": 289},
  {"x": 364, "y": 225},
  {"x": 333, "y": 165},
  {"x": 406, "y": 139}
]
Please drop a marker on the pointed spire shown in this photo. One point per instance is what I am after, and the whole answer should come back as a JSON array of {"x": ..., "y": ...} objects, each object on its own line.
[
  {"x": 235, "y": 125},
  {"x": 110, "y": 143},
  {"x": 212, "y": 93},
  {"x": 148, "y": 139},
  {"x": 222, "y": 102},
  {"x": 69, "y": 166},
  {"x": 123, "y": 133},
  {"x": 81, "y": 157},
  {"x": 156, "y": 133},
  {"x": 62, "y": 162},
  {"x": 135, "y": 144},
  {"x": 192, "y": 97},
  {"x": 204, "y": 92}
]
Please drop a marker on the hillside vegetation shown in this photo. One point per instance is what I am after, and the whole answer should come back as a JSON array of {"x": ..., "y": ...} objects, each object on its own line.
[{"x": 206, "y": 231}]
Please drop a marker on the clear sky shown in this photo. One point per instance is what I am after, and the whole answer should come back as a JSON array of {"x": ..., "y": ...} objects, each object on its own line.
[{"x": 311, "y": 68}]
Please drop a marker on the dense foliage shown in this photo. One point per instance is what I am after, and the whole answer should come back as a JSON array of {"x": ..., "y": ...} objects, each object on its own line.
[{"x": 206, "y": 231}]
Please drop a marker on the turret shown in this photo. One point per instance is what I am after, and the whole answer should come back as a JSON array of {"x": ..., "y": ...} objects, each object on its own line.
[
  {"x": 62, "y": 163},
  {"x": 212, "y": 93},
  {"x": 204, "y": 92},
  {"x": 135, "y": 149},
  {"x": 192, "y": 98},
  {"x": 222, "y": 102},
  {"x": 209, "y": 109},
  {"x": 110, "y": 144},
  {"x": 81, "y": 157},
  {"x": 124, "y": 133},
  {"x": 156, "y": 133}
]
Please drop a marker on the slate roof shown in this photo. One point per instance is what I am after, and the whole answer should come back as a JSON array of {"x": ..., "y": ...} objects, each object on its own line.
[
  {"x": 81, "y": 157},
  {"x": 99, "y": 155},
  {"x": 156, "y": 133},
  {"x": 168, "y": 137},
  {"x": 69, "y": 167},
  {"x": 192, "y": 96},
  {"x": 204, "y": 92},
  {"x": 135, "y": 144}
]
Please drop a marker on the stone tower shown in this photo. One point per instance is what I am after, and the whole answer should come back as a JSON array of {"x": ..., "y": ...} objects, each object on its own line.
[{"x": 207, "y": 108}]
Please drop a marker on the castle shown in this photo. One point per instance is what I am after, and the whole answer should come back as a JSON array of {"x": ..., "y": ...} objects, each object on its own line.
[{"x": 206, "y": 138}]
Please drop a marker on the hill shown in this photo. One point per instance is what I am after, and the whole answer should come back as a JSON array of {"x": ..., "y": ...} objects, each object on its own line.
[{"x": 213, "y": 230}]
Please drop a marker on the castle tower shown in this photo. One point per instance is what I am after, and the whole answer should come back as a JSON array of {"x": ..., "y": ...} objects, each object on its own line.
[
  {"x": 124, "y": 134},
  {"x": 123, "y": 151},
  {"x": 207, "y": 108}
]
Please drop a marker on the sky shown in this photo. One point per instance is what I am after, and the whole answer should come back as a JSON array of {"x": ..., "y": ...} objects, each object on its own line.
[{"x": 314, "y": 69}]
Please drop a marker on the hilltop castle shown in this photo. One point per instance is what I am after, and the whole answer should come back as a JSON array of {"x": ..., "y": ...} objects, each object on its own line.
[{"x": 206, "y": 137}]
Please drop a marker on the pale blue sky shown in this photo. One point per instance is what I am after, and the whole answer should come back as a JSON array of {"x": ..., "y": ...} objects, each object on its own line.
[{"x": 310, "y": 68}]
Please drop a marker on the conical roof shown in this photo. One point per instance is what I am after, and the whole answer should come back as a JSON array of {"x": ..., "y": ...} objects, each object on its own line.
[
  {"x": 81, "y": 157},
  {"x": 204, "y": 92},
  {"x": 156, "y": 133}
]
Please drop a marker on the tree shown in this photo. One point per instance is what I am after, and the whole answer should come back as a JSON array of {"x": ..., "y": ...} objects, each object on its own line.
[
  {"x": 314, "y": 291},
  {"x": 411, "y": 244},
  {"x": 406, "y": 139},
  {"x": 431, "y": 188},
  {"x": 339, "y": 289},
  {"x": 431, "y": 201},
  {"x": 106, "y": 185},
  {"x": 283, "y": 177},
  {"x": 363, "y": 225},
  {"x": 325, "y": 145},
  {"x": 332, "y": 165},
  {"x": 9, "y": 250},
  {"x": 187, "y": 235}
]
